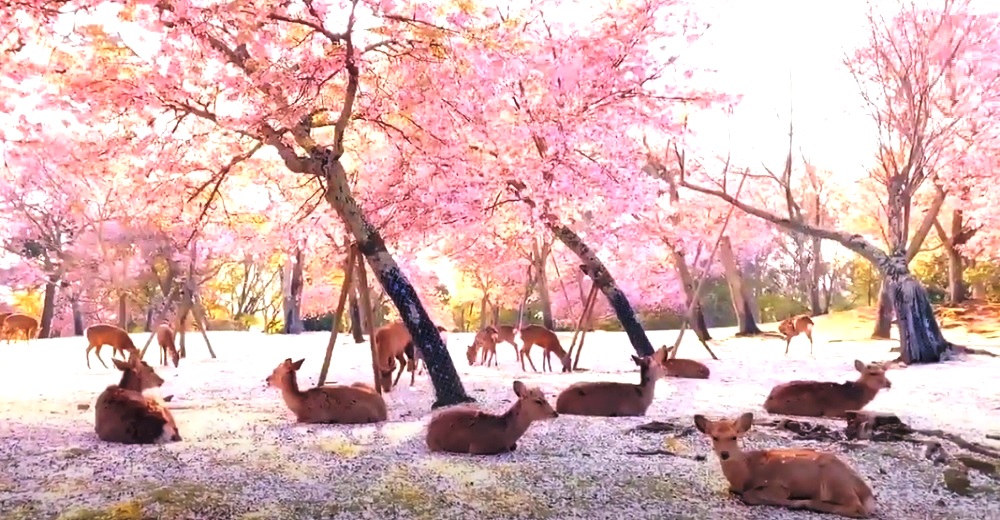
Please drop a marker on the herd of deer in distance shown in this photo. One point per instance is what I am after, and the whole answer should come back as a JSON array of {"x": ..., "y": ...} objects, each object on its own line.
[{"x": 132, "y": 412}]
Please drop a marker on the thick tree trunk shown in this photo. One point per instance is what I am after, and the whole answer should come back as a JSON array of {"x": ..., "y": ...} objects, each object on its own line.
[
  {"x": 883, "y": 312},
  {"x": 495, "y": 315},
  {"x": 293, "y": 295},
  {"x": 920, "y": 337},
  {"x": 594, "y": 268},
  {"x": 956, "y": 266},
  {"x": 74, "y": 305},
  {"x": 48, "y": 308},
  {"x": 483, "y": 305},
  {"x": 123, "y": 311},
  {"x": 540, "y": 256},
  {"x": 354, "y": 309},
  {"x": 447, "y": 384},
  {"x": 697, "y": 318},
  {"x": 738, "y": 291}
]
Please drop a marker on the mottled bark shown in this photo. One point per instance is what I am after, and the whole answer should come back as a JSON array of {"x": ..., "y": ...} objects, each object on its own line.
[{"x": 539, "y": 257}]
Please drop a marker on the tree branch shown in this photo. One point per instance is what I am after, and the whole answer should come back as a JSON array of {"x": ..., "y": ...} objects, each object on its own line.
[{"x": 925, "y": 226}]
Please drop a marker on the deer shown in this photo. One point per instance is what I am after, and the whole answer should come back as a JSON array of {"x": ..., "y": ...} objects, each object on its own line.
[
  {"x": 131, "y": 412},
  {"x": 335, "y": 404},
  {"x": 485, "y": 342},
  {"x": 393, "y": 344},
  {"x": 791, "y": 478},
  {"x": 828, "y": 399},
  {"x": 16, "y": 323},
  {"x": 415, "y": 358},
  {"x": 463, "y": 429},
  {"x": 165, "y": 337},
  {"x": 506, "y": 334},
  {"x": 538, "y": 335},
  {"x": 613, "y": 399},
  {"x": 795, "y": 325},
  {"x": 3, "y": 332},
  {"x": 686, "y": 368},
  {"x": 103, "y": 334}
]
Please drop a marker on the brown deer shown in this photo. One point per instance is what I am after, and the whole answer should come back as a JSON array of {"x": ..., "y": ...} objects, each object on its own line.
[
  {"x": 795, "y": 325},
  {"x": 415, "y": 358},
  {"x": 505, "y": 334},
  {"x": 165, "y": 337},
  {"x": 393, "y": 345},
  {"x": 538, "y": 335},
  {"x": 102, "y": 334},
  {"x": 686, "y": 368},
  {"x": 613, "y": 399},
  {"x": 16, "y": 323},
  {"x": 828, "y": 399},
  {"x": 486, "y": 343},
  {"x": 463, "y": 429},
  {"x": 3, "y": 331},
  {"x": 125, "y": 415},
  {"x": 792, "y": 478},
  {"x": 335, "y": 404}
]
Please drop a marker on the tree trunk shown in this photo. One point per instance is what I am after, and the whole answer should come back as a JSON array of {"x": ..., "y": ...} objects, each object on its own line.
[
  {"x": 956, "y": 267},
  {"x": 594, "y": 268},
  {"x": 739, "y": 294},
  {"x": 123, "y": 310},
  {"x": 447, "y": 384},
  {"x": 495, "y": 316},
  {"x": 293, "y": 295},
  {"x": 150, "y": 310},
  {"x": 883, "y": 313},
  {"x": 354, "y": 309},
  {"x": 540, "y": 256},
  {"x": 920, "y": 337},
  {"x": 483, "y": 305},
  {"x": 48, "y": 308},
  {"x": 74, "y": 304},
  {"x": 697, "y": 317},
  {"x": 815, "y": 273}
]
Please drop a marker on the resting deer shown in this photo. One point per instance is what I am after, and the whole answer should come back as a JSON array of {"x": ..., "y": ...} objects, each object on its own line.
[
  {"x": 828, "y": 399},
  {"x": 16, "y": 323},
  {"x": 3, "y": 328},
  {"x": 687, "y": 368},
  {"x": 467, "y": 430},
  {"x": 101, "y": 334},
  {"x": 791, "y": 327},
  {"x": 485, "y": 342},
  {"x": 165, "y": 337},
  {"x": 613, "y": 399},
  {"x": 335, "y": 404},
  {"x": 792, "y": 478},
  {"x": 125, "y": 414},
  {"x": 545, "y": 338}
]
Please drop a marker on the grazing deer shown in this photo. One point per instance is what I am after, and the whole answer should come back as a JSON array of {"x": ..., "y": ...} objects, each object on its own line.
[
  {"x": 613, "y": 399},
  {"x": 335, "y": 404},
  {"x": 505, "y": 334},
  {"x": 393, "y": 344},
  {"x": 795, "y": 325},
  {"x": 467, "y": 430},
  {"x": 485, "y": 342},
  {"x": 415, "y": 362},
  {"x": 828, "y": 399},
  {"x": 792, "y": 478},
  {"x": 102, "y": 334},
  {"x": 16, "y": 323},
  {"x": 686, "y": 368},
  {"x": 545, "y": 338},
  {"x": 125, "y": 415},
  {"x": 165, "y": 337}
]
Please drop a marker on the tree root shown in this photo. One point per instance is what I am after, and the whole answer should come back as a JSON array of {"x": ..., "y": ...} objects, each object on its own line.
[{"x": 649, "y": 453}]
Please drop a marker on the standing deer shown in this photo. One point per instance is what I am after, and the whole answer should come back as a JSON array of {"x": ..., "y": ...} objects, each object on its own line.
[
  {"x": 123, "y": 412},
  {"x": 103, "y": 334},
  {"x": 463, "y": 429},
  {"x": 165, "y": 338},
  {"x": 613, "y": 399},
  {"x": 16, "y": 323},
  {"x": 828, "y": 399},
  {"x": 505, "y": 334},
  {"x": 393, "y": 345},
  {"x": 334, "y": 404},
  {"x": 792, "y": 478},
  {"x": 545, "y": 338},
  {"x": 795, "y": 325},
  {"x": 486, "y": 343},
  {"x": 3, "y": 330}
]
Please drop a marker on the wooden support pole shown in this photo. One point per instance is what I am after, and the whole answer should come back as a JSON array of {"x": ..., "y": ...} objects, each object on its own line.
[
  {"x": 156, "y": 320},
  {"x": 366, "y": 302},
  {"x": 201, "y": 320},
  {"x": 581, "y": 327},
  {"x": 345, "y": 290},
  {"x": 583, "y": 313}
]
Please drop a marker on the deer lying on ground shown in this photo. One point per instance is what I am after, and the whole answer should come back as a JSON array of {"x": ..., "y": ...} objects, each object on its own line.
[
  {"x": 102, "y": 334},
  {"x": 16, "y": 323},
  {"x": 467, "y": 430},
  {"x": 687, "y": 368},
  {"x": 613, "y": 399},
  {"x": 334, "y": 404},
  {"x": 828, "y": 399},
  {"x": 485, "y": 342},
  {"x": 393, "y": 345},
  {"x": 792, "y": 478},
  {"x": 545, "y": 338},
  {"x": 791, "y": 327},
  {"x": 165, "y": 337},
  {"x": 131, "y": 412}
]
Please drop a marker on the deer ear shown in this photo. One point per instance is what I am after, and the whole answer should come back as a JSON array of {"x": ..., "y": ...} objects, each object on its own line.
[
  {"x": 701, "y": 422},
  {"x": 744, "y": 423},
  {"x": 637, "y": 360},
  {"x": 298, "y": 364},
  {"x": 121, "y": 365},
  {"x": 859, "y": 366},
  {"x": 520, "y": 389}
]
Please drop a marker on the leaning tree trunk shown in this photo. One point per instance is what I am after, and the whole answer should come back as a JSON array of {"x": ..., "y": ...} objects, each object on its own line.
[
  {"x": 447, "y": 384},
  {"x": 740, "y": 295},
  {"x": 697, "y": 317},
  {"x": 594, "y": 268},
  {"x": 357, "y": 326},
  {"x": 920, "y": 337},
  {"x": 540, "y": 256},
  {"x": 883, "y": 312},
  {"x": 48, "y": 308}
]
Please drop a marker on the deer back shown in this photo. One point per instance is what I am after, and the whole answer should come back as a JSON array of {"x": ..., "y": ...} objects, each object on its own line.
[
  {"x": 686, "y": 368},
  {"x": 341, "y": 405},
  {"x": 818, "y": 398},
  {"x": 805, "y": 473},
  {"x": 103, "y": 334},
  {"x": 17, "y": 321},
  {"x": 505, "y": 333},
  {"x": 126, "y": 416}
]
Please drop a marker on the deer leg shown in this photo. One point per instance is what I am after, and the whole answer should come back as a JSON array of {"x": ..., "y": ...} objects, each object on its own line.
[
  {"x": 526, "y": 353},
  {"x": 809, "y": 335},
  {"x": 547, "y": 358},
  {"x": 482, "y": 360},
  {"x": 97, "y": 352},
  {"x": 773, "y": 496},
  {"x": 788, "y": 341},
  {"x": 401, "y": 359}
]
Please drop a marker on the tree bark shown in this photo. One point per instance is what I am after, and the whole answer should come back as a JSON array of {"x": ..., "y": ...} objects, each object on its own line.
[
  {"x": 483, "y": 305},
  {"x": 447, "y": 384},
  {"x": 123, "y": 310},
  {"x": 354, "y": 309},
  {"x": 883, "y": 312},
  {"x": 293, "y": 295},
  {"x": 740, "y": 296},
  {"x": 815, "y": 273},
  {"x": 540, "y": 256},
  {"x": 48, "y": 307},
  {"x": 74, "y": 304},
  {"x": 594, "y": 268},
  {"x": 956, "y": 266},
  {"x": 697, "y": 318}
]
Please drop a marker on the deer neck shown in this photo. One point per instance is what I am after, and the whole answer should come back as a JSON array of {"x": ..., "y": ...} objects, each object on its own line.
[
  {"x": 517, "y": 422},
  {"x": 647, "y": 386},
  {"x": 736, "y": 469},
  {"x": 130, "y": 381},
  {"x": 865, "y": 393},
  {"x": 291, "y": 394}
]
